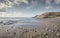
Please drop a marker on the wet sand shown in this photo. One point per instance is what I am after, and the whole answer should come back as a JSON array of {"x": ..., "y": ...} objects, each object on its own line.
[{"x": 37, "y": 28}]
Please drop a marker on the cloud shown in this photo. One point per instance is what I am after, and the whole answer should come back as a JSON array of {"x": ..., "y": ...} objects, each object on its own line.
[
  {"x": 48, "y": 7},
  {"x": 54, "y": 1},
  {"x": 29, "y": 7},
  {"x": 57, "y": 1},
  {"x": 33, "y": 4},
  {"x": 48, "y": 2},
  {"x": 3, "y": 7},
  {"x": 19, "y": 1},
  {"x": 6, "y": 4},
  {"x": 10, "y": 3},
  {"x": 4, "y": 14}
]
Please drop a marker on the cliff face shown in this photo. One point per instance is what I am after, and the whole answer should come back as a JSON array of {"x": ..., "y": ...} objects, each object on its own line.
[{"x": 49, "y": 15}]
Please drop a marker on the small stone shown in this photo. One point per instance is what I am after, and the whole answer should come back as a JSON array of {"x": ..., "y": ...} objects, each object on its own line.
[
  {"x": 45, "y": 34},
  {"x": 14, "y": 33},
  {"x": 8, "y": 32},
  {"x": 57, "y": 29},
  {"x": 57, "y": 34}
]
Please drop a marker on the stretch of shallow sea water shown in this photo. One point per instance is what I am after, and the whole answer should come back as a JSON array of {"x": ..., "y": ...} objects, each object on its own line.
[{"x": 24, "y": 22}]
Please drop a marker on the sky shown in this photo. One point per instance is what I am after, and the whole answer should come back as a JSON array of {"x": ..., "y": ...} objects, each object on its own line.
[{"x": 27, "y": 8}]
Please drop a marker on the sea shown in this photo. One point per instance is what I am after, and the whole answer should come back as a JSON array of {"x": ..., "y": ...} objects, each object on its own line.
[{"x": 25, "y": 22}]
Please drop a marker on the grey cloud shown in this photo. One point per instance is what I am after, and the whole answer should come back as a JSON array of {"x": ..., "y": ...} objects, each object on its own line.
[
  {"x": 2, "y": 10},
  {"x": 9, "y": 3},
  {"x": 49, "y": 3},
  {"x": 54, "y": 1},
  {"x": 57, "y": 1},
  {"x": 5, "y": 4}
]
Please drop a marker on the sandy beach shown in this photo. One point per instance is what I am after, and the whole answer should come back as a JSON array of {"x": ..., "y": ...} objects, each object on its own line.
[{"x": 37, "y": 28}]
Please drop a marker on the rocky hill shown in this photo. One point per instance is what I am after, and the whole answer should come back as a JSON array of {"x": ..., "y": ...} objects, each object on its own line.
[{"x": 49, "y": 15}]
